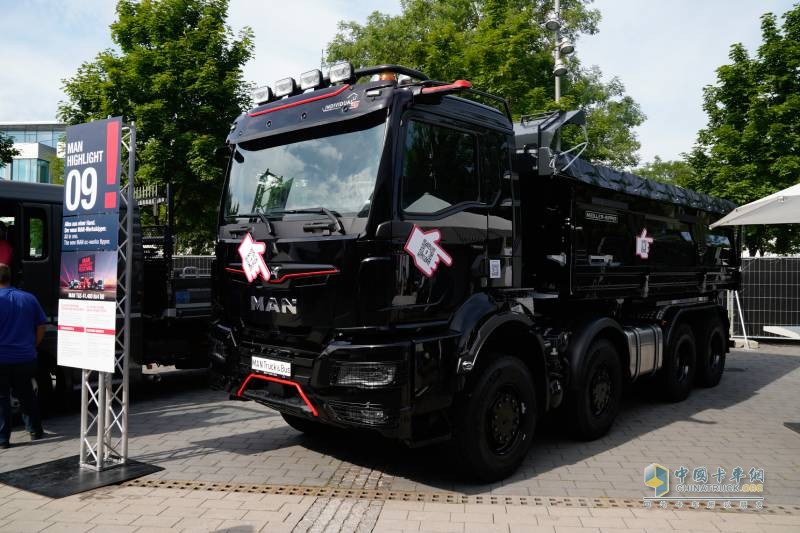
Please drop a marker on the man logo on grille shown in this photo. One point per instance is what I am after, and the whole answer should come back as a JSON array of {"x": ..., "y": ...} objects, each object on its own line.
[{"x": 425, "y": 249}]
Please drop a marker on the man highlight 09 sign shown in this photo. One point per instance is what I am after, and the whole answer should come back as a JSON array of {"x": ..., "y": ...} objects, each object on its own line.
[{"x": 88, "y": 273}]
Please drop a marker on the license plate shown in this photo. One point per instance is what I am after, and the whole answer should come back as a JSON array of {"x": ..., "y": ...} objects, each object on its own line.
[{"x": 271, "y": 366}]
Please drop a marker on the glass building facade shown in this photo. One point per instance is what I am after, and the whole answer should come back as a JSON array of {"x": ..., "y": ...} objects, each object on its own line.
[
  {"x": 49, "y": 136},
  {"x": 37, "y": 142}
]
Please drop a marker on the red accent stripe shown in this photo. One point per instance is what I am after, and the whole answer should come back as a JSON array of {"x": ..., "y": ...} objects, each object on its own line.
[
  {"x": 112, "y": 152},
  {"x": 70, "y": 328},
  {"x": 301, "y": 102},
  {"x": 291, "y": 275},
  {"x": 101, "y": 331},
  {"x": 294, "y": 384},
  {"x": 456, "y": 85}
]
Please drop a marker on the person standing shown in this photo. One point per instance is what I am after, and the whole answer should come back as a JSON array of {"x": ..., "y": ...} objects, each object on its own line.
[
  {"x": 6, "y": 250},
  {"x": 21, "y": 330}
]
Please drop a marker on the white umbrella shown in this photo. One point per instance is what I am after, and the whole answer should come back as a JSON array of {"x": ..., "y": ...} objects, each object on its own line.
[{"x": 782, "y": 207}]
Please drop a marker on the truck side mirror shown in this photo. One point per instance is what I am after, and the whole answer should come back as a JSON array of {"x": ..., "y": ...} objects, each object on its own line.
[
  {"x": 222, "y": 151},
  {"x": 543, "y": 159}
]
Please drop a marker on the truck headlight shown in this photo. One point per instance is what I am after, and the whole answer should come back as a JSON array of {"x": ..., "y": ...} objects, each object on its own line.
[{"x": 365, "y": 375}]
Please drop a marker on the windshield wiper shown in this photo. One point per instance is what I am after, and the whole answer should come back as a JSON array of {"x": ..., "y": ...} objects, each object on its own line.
[
  {"x": 260, "y": 214},
  {"x": 334, "y": 224}
]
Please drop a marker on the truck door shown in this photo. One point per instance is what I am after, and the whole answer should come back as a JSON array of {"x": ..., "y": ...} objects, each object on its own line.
[
  {"x": 443, "y": 218},
  {"x": 37, "y": 273}
]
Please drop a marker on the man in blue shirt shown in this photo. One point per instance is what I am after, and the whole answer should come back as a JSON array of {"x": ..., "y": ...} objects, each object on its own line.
[{"x": 21, "y": 330}]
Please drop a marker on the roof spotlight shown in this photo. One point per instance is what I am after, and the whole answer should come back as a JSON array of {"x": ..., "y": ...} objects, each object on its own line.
[
  {"x": 311, "y": 79},
  {"x": 284, "y": 87},
  {"x": 552, "y": 22},
  {"x": 340, "y": 72},
  {"x": 566, "y": 47},
  {"x": 262, "y": 95},
  {"x": 560, "y": 68}
]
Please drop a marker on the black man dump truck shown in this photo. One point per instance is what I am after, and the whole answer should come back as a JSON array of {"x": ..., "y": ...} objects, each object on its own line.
[{"x": 397, "y": 254}]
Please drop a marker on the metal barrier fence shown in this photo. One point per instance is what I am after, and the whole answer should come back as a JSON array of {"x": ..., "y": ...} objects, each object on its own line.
[
  {"x": 189, "y": 266},
  {"x": 770, "y": 296}
]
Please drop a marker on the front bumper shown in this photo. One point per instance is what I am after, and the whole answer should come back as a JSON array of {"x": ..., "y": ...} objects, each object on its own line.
[{"x": 400, "y": 387}]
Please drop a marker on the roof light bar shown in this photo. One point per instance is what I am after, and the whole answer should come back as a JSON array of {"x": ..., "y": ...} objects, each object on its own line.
[
  {"x": 262, "y": 95},
  {"x": 311, "y": 79},
  {"x": 341, "y": 72},
  {"x": 284, "y": 87}
]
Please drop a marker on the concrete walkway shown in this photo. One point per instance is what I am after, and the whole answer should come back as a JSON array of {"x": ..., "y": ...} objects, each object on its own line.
[{"x": 205, "y": 442}]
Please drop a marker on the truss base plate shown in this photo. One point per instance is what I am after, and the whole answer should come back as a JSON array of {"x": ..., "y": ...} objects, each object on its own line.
[{"x": 63, "y": 477}]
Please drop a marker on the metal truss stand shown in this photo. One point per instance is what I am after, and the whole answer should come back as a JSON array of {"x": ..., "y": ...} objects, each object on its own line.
[{"x": 104, "y": 396}]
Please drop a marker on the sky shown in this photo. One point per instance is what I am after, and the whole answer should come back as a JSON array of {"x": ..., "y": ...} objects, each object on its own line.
[{"x": 664, "y": 52}]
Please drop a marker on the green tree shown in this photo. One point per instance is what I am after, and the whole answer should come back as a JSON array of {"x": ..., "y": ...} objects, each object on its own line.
[
  {"x": 751, "y": 145},
  {"x": 503, "y": 48},
  {"x": 7, "y": 150},
  {"x": 56, "y": 169},
  {"x": 677, "y": 172},
  {"x": 178, "y": 75}
]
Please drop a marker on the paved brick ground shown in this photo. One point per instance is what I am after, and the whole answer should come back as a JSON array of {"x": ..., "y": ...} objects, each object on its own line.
[{"x": 195, "y": 434}]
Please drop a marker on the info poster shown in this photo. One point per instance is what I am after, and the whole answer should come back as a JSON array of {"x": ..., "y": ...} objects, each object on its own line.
[{"x": 88, "y": 276}]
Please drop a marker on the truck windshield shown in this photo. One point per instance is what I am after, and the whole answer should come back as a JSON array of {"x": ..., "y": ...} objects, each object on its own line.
[{"x": 334, "y": 167}]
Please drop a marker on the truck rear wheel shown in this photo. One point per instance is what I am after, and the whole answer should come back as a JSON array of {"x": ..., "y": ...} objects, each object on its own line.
[
  {"x": 677, "y": 375},
  {"x": 595, "y": 406},
  {"x": 711, "y": 354},
  {"x": 495, "y": 425}
]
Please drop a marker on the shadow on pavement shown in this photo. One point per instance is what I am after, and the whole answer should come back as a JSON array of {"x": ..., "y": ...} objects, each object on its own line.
[{"x": 642, "y": 412}]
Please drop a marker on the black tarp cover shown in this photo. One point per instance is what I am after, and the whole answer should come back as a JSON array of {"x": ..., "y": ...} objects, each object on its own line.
[{"x": 628, "y": 183}]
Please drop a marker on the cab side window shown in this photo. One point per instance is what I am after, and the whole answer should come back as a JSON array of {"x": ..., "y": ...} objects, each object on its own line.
[
  {"x": 35, "y": 235},
  {"x": 494, "y": 164},
  {"x": 439, "y": 168}
]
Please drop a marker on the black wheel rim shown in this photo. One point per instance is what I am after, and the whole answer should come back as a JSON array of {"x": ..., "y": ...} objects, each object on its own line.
[
  {"x": 504, "y": 420},
  {"x": 682, "y": 362},
  {"x": 600, "y": 389}
]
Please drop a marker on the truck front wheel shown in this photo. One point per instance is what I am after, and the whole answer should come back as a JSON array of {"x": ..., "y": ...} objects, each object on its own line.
[
  {"x": 495, "y": 424},
  {"x": 677, "y": 375},
  {"x": 596, "y": 404}
]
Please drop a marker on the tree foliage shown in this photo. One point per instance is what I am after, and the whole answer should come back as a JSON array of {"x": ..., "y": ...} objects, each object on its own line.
[
  {"x": 503, "y": 48},
  {"x": 7, "y": 150},
  {"x": 677, "y": 172},
  {"x": 751, "y": 145},
  {"x": 177, "y": 74}
]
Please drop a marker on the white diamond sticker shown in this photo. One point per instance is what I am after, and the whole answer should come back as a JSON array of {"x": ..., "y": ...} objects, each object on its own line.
[
  {"x": 252, "y": 254},
  {"x": 424, "y": 247},
  {"x": 643, "y": 243}
]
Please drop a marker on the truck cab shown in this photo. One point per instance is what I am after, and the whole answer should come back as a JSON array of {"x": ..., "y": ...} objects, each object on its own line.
[{"x": 376, "y": 268}]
